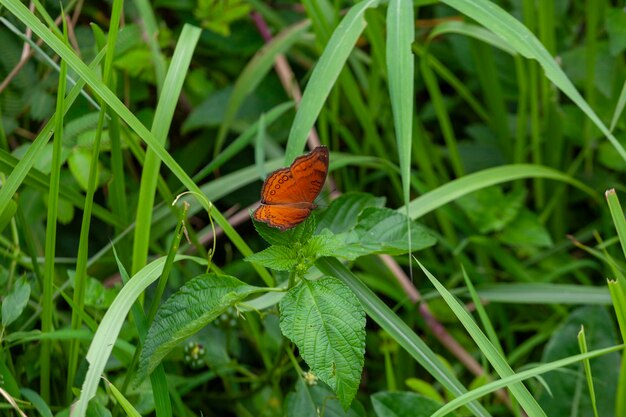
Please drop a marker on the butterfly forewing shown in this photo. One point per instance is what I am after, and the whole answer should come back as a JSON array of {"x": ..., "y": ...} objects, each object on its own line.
[
  {"x": 310, "y": 172},
  {"x": 278, "y": 188}
]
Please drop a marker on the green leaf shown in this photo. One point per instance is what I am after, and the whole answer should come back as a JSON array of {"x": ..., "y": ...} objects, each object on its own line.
[
  {"x": 327, "y": 323},
  {"x": 138, "y": 63},
  {"x": 14, "y": 303},
  {"x": 383, "y": 230},
  {"x": 44, "y": 159},
  {"x": 565, "y": 397},
  {"x": 616, "y": 29},
  {"x": 279, "y": 258},
  {"x": 490, "y": 210},
  {"x": 399, "y": 331},
  {"x": 342, "y": 214},
  {"x": 306, "y": 400},
  {"x": 66, "y": 211},
  {"x": 38, "y": 403},
  {"x": 79, "y": 162},
  {"x": 403, "y": 404},
  {"x": 196, "y": 304},
  {"x": 325, "y": 244},
  {"x": 526, "y": 230}
]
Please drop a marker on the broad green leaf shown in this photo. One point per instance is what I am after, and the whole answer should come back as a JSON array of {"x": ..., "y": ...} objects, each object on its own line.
[
  {"x": 490, "y": 210},
  {"x": 403, "y": 404},
  {"x": 44, "y": 159},
  {"x": 325, "y": 244},
  {"x": 14, "y": 303},
  {"x": 382, "y": 230},
  {"x": 616, "y": 29},
  {"x": 78, "y": 126},
  {"x": 191, "y": 308},
  {"x": 526, "y": 230},
  {"x": 306, "y": 400},
  {"x": 342, "y": 214},
  {"x": 79, "y": 162},
  {"x": 279, "y": 258},
  {"x": 398, "y": 330},
  {"x": 66, "y": 211},
  {"x": 566, "y": 397},
  {"x": 327, "y": 323},
  {"x": 608, "y": 157},
  {"x": 138, "y": 63}
]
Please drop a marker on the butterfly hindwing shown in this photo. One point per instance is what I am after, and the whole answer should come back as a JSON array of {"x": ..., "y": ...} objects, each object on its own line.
[{"x": 283, "y": 217}]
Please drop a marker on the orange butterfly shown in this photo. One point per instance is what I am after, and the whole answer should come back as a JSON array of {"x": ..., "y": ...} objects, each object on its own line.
[{"x": 288, "y": 193}]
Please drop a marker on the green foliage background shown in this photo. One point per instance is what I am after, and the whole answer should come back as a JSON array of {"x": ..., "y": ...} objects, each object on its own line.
[{"x": 479, "y": 136}]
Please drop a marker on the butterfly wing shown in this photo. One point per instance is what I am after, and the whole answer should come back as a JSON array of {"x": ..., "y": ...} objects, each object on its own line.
[
  {"x": 281, "y": 216},
  {"x": 309, "y": 172},
  {"x": 300, "y": 183}
]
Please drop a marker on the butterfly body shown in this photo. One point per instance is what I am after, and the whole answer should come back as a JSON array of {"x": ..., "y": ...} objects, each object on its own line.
[{"x": 288, "y": 193}]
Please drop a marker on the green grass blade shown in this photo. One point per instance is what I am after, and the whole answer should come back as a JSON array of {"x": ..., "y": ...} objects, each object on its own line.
[
  {"x": 619, "y": 108},
  {"x": 36, "y": 179},
  {"x": 400, "y": 71},
  {"x": 499, "y": 363},
  {"x": 22, "y": 13},
  {"x": 472, "y": 182},
  {"x": 324, "y": 75},
  {"x": 254, "y": 73},
  {"x": 13, "y": 182},
  {"x": 520, "y": 376},
  {"x": 242, "y": 141},
  {"x": 448, "y": 76},
  {"x": 443, "y": 117},
  {"x": 618, "y": 217},
  {"x": 582, "y": 343},
  {"x": 480, "y": 309},
  {"x": 51, "y": 226},
  {"x": 524, "y": 41},
  {"x": 110, "y": 326},
  {"x": 160, "y": 127},
  {"x": 80, "y": 278},
  {"x": 472, "y": 31},
  {"x": 618, "y": 295},
  {"x": 152, "y": 29}
]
